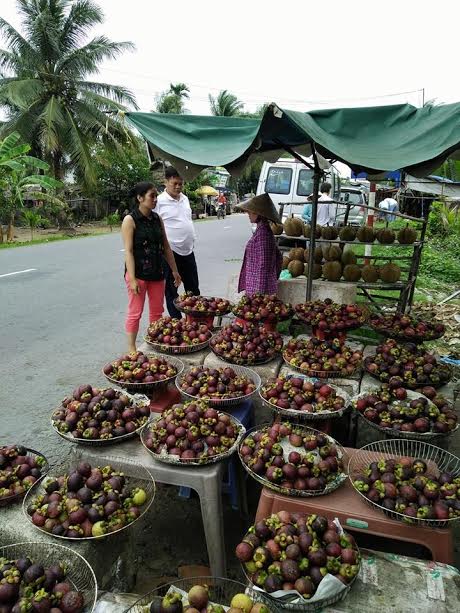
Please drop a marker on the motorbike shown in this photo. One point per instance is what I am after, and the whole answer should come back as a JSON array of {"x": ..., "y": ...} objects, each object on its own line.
[{"x": 220, "y": 211}]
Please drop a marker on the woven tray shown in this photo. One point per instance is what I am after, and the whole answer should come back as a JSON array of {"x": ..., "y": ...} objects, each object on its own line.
[
  {"x": 406, "y": 385},
  {"x": 176, "y": 461},
  {"x": 177, "y": 350},
  {"x": 303, "y": 416},
  {"x": 135, "y": 473},
  {"x": 416, "y": 436},
  {"x": 437, "y": 459},
  {"x": 4, "y": 502},
  {"x": 139, "y": 399},
  {"x": 189, "y": 311},
  {"x": 147, "y": 388},
  {"x": 224, "y": 402},
  {"x": 330, "y": 487},
  {"x": 322, "y": 374}
]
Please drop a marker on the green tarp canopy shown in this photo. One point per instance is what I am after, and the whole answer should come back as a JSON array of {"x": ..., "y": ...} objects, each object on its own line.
[{"x": 369, "y": 139}]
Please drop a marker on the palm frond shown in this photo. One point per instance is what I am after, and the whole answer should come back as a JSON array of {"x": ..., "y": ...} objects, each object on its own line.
[
  {"x": 20, "y": 93},
  {"x": 114, "y": 96},
  {"x": 79, "y": 150},
  {"x": 85, "y": 60},
  {"x": 14, "y": 40},
  {"x": 9, "y": 143},
  {"x": 53, "y": 120},
  {"x": 82, "y": 16}
]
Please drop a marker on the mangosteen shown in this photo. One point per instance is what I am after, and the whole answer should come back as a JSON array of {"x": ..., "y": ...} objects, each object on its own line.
[
  {"x": 72, "y": 602},
  {"x": 8, "y": 592},
  {"x": 304, "y": 586},
  {"x": 34, "y": 574},
  {"x": 85, "y": 495},
  {"x": 273, "y": 583},
  {"x": 51, "y": 486},
  {"x": 317, "y": 557},
  {"x": 74, "y": 481},
  {"x": 198, "y": 597},
  {"x": 319, "y": 525},
  {"x": 23, "y": 564},
  {"x": 290, "y": 570},
  {"x": 262, "y": 530},
  {"x": 317, "y": 574}
]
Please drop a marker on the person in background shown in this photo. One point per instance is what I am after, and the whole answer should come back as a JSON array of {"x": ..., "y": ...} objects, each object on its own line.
[
  {"x": 326, "y": 207},
  {"x": 387, "y": 207},
  {"x": 262, "y": 258},
  {"x": 146, "y": 248},
  {"x": 174, "y": 209},
  {"x": 306, "y": 212}
]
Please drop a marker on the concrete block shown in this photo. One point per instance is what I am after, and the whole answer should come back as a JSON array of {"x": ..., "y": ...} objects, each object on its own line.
[{"x": 294, "y": 291}]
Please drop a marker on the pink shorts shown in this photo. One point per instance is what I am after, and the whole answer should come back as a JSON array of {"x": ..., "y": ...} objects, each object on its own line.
[{"x": 155, "y": 291}]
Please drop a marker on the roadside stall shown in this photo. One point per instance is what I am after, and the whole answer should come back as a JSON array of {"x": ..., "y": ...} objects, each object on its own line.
[{"x": 216, "y": 409}]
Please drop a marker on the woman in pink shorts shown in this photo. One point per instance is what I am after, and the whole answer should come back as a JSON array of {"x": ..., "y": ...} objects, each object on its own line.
[{"x": 146, "y": 248}]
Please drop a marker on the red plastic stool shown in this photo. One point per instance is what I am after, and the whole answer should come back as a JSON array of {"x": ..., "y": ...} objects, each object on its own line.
[
  {"x": 355, "y": 514},
  {"x": 164, "y": 399}
]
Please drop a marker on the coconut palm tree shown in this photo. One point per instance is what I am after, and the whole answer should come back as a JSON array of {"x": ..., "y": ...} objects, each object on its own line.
[
  {"x": 172, "y": 100},
  {"x": 45, "y": 87},
  {"x": 225, "y": 104}
]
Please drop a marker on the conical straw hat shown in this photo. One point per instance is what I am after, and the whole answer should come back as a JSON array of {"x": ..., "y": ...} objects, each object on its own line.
[{"x": 261, "y": 205}]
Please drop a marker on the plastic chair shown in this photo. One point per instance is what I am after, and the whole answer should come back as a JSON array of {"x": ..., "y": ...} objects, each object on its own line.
[
  {"x": 355, "y": 514},
  {"x": 234, "y": 483}
]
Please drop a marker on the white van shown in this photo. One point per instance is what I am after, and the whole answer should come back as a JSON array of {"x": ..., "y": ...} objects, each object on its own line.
[{"x": 289, "y": 182}]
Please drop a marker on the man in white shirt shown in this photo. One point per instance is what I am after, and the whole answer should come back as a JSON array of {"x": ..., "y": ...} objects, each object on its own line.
[
  {"x": 174, "y": 209},
  {"x": 326, "y": 208},
  {"x": 388, "y": 206}
]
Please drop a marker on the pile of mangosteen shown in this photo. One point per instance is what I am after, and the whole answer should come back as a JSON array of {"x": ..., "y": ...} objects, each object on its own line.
[
  {"x": 136, "y": 367},
  {"x": 330, "y": 317},
  {"x": 407, "y": 327},
  {"x": 293, "y": 551},
  {"x": 18, "y": 471},
  {"x": 178, "y": 332},
  {"x": 192, "y": 431},
  {"x": 411, "y": 487},
  {"x": 216, "y": 383},
  {"x": 198, "y": 600},
  {"x": 315, "y": 355},
  {"x": 300, "y": 394},
  {"x": 415, "y": 366},
  {"x": 203, "y": 305},
  {"x": 390, "y": 407},
  {"x": 92, "y": 413},
  {"x": 26, "y": 586},
  {"x": 246, "y": 343},
  {"x": 262, "y": 307},
  {"x": 292, "y": 457},
  {"x": 87, "y": 502}
]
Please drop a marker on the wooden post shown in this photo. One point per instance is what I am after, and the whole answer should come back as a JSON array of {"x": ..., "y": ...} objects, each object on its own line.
[
  {"x": 314, "y": 211},
  {"x": 370, "y": 220}
]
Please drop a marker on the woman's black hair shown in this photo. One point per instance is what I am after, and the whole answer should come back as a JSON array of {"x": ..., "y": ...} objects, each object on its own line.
[{"x": 140, "y": 189}]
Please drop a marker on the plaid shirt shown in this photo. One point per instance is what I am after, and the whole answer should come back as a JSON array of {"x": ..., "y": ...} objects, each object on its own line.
[{"x": 262, "y": 262}]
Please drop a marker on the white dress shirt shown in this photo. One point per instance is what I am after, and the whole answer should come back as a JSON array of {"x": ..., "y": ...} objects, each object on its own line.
[
  {"x": 326, "y": 211},
  {"x": 177, "y": 218}
]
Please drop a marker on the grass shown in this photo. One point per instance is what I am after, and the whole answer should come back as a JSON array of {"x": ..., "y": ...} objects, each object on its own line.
[{"x": 49, "y": 239}]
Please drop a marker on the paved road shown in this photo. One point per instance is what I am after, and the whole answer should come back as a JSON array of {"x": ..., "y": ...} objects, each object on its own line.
[{"x": 60, "y": 322}]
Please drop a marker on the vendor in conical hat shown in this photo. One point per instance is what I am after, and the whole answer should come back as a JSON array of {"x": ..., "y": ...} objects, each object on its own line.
[{"x": 262, "y": 258}]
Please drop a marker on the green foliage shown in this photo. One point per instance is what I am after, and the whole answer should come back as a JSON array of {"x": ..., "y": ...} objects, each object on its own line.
[
  {"x": 44, "y": 85},
  {"x": 247, "y": 181},
  {"x": 225, "y": 104},
  {"x": 33, "y": 219},
  {"x": 441, "y": 260},
  {"x": 172, "y": 100},
  {"x": 117, "y": 171},
  {"x": 444, "y": 220},
  {"x": 190, "y": 187},
  {"x": 19, "y": 181},
  {"x": 113, "y": 220}
]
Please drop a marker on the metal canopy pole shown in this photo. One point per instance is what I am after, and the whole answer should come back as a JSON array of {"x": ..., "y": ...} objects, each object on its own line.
[{"x": 318, "y": 173}]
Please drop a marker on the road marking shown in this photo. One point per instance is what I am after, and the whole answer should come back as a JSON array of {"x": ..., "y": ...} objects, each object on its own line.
[
  {"x": 18, "y": 272},
  {"x": 121, "y": 249},
  {"x": 227, "y": 227}
]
